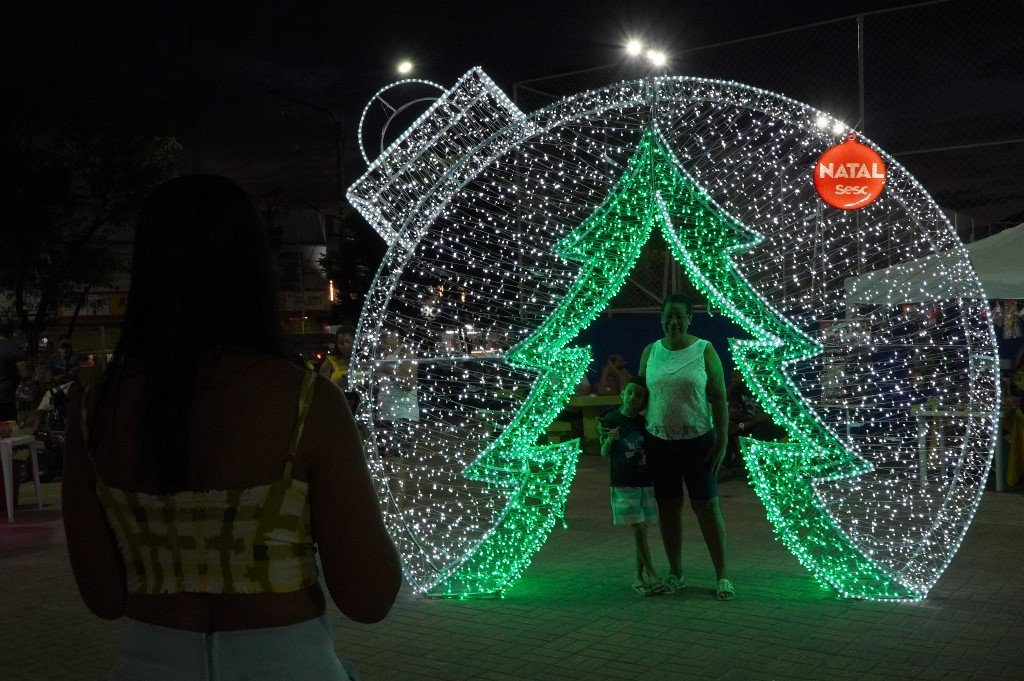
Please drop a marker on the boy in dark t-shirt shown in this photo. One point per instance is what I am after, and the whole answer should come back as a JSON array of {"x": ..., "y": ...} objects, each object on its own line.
[{"x": 632, "y": 494}]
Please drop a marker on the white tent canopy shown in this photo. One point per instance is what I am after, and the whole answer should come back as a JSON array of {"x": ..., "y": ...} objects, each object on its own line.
[{"x": 997, "y": 260}]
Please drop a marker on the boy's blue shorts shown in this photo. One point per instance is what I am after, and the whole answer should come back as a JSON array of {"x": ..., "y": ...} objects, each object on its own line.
[{"x": 632, "y": 505}]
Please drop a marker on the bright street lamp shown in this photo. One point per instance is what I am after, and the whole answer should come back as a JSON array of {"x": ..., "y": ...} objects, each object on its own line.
[
  {"x": 656, "y": 57},
  {"x": 633, "y": 47},
  {"x": 404, "y": 67}
]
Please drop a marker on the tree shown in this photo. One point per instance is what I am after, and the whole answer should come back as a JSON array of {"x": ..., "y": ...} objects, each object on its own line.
[
  {"x": 607, "y": 245},
  {"x": 657, "y": 192},
  {"x": 352, "y": 266},
  {"x": 63, "y": 197}
]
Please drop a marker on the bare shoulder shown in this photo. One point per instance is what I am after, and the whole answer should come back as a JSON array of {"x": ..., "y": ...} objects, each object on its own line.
[
  {"x": 329, "y": 422},
  {"x": 710, "y": 354},
  {"x": 328, "y": 399}
]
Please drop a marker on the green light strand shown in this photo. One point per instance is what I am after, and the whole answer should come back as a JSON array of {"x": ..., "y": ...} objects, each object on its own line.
[
  {"x": 607, "y": 245},
  {"x": 656, "y": 189},
  {"x": 702, "y": 236}
]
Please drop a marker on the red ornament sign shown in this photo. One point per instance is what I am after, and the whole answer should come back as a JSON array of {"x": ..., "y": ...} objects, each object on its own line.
[{"x": 850, "y": 175}]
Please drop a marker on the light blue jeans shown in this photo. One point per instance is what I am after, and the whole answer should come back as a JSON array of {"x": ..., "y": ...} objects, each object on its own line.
[{"x": 297, "y": 652}]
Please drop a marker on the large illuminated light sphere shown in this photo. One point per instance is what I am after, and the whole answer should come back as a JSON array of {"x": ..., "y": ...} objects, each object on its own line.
[{"x": 867, "y": 332}]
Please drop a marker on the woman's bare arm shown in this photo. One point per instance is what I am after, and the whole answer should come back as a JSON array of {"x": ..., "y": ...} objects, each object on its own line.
[
  {"x": 92, "y": 549},
  {"x": 361, "y": 566},
  {"x": 643, "y": 360},
  {"x": 718, "y": 402}
]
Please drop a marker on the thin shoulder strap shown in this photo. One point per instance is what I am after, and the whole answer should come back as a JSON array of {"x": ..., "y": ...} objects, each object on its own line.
[{"x": 305, "y": 399}]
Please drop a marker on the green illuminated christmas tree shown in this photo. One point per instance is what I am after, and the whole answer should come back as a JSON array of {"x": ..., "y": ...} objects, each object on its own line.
[
  {"x": 703, "y": 237},
  {"x": 656, "y": 191},
  {"x": 607, "y": 245}
]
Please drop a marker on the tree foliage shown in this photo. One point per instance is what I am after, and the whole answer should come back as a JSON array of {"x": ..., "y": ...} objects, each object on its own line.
[
  {"x": 353, "y": 264},
  {"x": 64, "y": 198}
]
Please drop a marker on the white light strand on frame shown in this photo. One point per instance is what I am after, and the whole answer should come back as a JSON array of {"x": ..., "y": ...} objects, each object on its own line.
[{"x": 509, "y": 233}]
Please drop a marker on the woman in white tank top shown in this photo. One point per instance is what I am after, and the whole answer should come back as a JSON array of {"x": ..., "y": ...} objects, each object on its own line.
[{"x": 687, "y": 424}]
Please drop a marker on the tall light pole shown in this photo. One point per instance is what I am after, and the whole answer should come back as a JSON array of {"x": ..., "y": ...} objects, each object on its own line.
[
  {"x": 338, "y": 137},
  {"x": 192, "y": 36}
]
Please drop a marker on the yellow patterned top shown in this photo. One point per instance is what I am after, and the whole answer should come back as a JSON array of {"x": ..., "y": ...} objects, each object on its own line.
[{"x": 253, "y": 540}]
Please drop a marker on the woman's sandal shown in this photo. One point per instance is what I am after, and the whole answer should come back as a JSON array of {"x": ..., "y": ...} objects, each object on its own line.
[{"x": 725, "y": 590}]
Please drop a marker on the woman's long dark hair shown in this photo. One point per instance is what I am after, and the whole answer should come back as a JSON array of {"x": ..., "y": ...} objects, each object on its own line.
[{"x": 202, "y": 277}]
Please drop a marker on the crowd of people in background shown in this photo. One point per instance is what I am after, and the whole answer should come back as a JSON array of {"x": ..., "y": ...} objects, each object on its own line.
[
  {"x": 676, "y": 430},
  {"x": 36, "y": 402}
]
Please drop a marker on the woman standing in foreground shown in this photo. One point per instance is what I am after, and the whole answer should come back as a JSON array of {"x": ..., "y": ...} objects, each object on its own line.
[
  {"x": 688, "y": 428},
  {"x": 205, "y": 469}
]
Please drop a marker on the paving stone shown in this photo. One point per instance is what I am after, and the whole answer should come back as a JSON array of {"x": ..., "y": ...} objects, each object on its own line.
[{"x": 572, "y": 616}]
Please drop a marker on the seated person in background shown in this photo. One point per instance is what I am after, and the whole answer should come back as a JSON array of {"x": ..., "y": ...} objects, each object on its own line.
[
  {"x": 63, "y": 365},
  {"x": 1013, "y": 422},
  {"x": 1017, "y": 376},
  {"x": 47, "y": 423},
  {"x": 614, "y": 376},
  {"x": 746, "y": 418},
  {"x": 53, "y": 407},
  {"x": 51, "y": 412},
  {"x": 583, "y": 387}
]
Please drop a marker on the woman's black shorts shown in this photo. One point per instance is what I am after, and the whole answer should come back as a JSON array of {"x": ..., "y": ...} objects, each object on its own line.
[{"x": 674, "y": 462}]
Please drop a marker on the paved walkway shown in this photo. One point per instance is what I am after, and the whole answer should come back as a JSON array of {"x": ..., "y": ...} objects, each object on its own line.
[{"x": 573, "y": 616}]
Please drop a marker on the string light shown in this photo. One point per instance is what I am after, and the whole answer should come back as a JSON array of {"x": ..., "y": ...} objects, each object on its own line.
[
  {"x": 377, "y": 97},
  {"x": 510, "y": 233}
]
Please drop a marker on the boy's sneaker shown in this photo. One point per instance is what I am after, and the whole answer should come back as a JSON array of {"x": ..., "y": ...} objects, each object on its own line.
[
  {"x": 643, "y": 588},
  {"x": 725, "y": 590},
  {"x": 661, "y": 587},
  {"x": 674, "y": 583}
]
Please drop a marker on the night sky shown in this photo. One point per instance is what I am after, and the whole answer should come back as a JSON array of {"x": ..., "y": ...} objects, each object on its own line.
[{"x": 943, "y": 75}]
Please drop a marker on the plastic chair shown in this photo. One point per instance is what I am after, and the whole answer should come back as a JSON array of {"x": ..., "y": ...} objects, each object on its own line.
[{"x": 7, "y": 447}]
